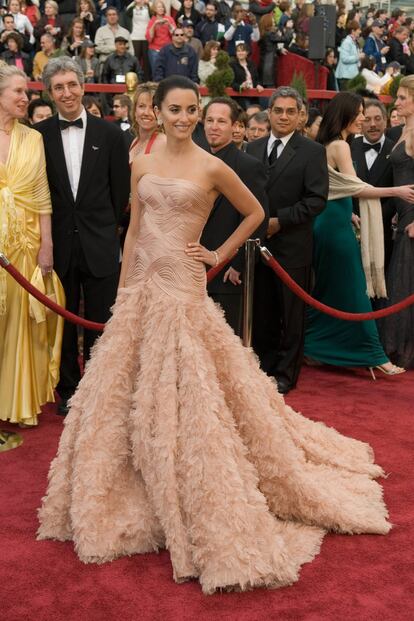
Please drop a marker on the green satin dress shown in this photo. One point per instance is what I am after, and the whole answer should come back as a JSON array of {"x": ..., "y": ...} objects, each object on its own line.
[{"x": 340, "y": 282}]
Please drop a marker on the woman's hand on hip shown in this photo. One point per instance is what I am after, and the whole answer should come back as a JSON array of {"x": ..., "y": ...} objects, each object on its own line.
[{"x": 196, "y": 251}]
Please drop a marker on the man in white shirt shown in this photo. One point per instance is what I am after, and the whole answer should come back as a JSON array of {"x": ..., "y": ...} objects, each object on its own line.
[
  {"x": 88, "y": 173},
  {"x": 297, "y": 190}
]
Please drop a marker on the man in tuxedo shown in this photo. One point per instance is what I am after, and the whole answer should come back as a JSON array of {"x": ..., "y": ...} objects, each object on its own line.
[
  {"x": 220, "y": 116},
  {"x": 88, "y": 173},
  {"x": 297, "y": 189},
  {"x": 370, "y": 154}
]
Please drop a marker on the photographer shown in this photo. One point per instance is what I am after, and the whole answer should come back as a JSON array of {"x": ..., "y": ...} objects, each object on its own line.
[
  {"x": 238, "y": 30},
  {"x": 85, "y": 9}
]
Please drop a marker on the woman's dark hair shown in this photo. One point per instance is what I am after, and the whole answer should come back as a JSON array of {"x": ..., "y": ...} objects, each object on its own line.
[
  {"x": 340, "y": 112},
  {"x": 313, "y": 114},
  {"x": 242, "y": 46},
  {"x": 368, "y": 62},
  {"x": 89, "y": 101},
  {"x": 169, "y": 84},
  {"x": 17, "y": 38}
]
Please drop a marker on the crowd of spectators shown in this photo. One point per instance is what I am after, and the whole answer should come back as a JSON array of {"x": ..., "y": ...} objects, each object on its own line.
[{"x": 110, "y": 39}]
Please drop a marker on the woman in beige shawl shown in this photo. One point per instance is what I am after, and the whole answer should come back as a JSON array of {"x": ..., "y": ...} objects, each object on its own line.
[{"x": 342, "y": 279}]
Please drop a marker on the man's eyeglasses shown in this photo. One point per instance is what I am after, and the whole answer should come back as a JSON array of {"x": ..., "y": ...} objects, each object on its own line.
[{"x": 178, "y": 34}]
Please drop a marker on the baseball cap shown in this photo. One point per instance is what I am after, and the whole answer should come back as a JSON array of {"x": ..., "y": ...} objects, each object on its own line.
[
  {"x": 378, "y": 23},
  {"x": 121, "y": 39}
]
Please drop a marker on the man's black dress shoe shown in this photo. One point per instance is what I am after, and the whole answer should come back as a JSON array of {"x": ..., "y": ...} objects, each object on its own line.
[
  {"x": 283, "y": 387},
  {"x": 63, "y": 408}
]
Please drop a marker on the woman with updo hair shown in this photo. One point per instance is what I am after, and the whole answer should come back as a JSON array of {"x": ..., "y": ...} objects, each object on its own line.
[
  {"x": 181, "y": 441},
  {"x": 29, "y": 340}
]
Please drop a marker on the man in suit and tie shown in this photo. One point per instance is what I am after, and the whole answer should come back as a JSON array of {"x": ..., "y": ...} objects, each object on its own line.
[
  {"x": 297, "y": 190},
  {"x": 370, "y": 154},
  {"x": 88, "y": 173},
  {"x": 220, "y": 116}
]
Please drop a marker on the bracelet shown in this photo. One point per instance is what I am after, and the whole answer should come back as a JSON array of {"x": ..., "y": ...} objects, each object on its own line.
[{"x": 216, "y": 255}]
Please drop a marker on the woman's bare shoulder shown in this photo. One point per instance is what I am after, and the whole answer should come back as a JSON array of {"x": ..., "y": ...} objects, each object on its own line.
[
  {"x": 159, "y": 143},
  {"x": 338, "y": 146}
]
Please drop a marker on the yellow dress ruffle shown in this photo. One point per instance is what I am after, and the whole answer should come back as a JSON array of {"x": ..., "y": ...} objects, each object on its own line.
[{"x": 29, "y": 348}]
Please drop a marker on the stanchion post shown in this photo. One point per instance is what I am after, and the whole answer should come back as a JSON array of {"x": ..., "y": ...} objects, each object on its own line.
[{"x": 248, "y": 284}]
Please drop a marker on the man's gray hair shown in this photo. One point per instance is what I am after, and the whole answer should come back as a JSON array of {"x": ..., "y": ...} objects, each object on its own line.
[
  {"x": 62, "y": 64},
  {"x": 376, "y": 103},
  {"x": 259, "y": 117},
  {"x": 285, "y": 91}
]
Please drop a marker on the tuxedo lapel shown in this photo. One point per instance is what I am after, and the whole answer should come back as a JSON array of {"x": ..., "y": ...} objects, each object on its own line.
[
  {"x": 54, "y": 146},
  {"x": 91, "y": 151},
  {"x": 380, "y": 165}
]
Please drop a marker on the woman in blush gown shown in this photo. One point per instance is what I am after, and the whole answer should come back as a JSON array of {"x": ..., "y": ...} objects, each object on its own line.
[
  {"x": 175, "y": 438},
  {"x": 397, "y": 331}
]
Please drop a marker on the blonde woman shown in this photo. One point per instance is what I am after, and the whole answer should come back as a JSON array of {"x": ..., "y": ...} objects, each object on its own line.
[
  {"x": 148, "y": 135},
  {"x": 51, "y": 23},
  {"x": 159, "y": 31},
  {"x": 29, "y": 343}
]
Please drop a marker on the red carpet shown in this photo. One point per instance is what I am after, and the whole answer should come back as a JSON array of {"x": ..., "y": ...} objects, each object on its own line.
[{"x": 358, "y": 578}]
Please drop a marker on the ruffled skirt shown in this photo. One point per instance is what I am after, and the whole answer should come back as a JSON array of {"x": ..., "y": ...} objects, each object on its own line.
[{"x": 176, "y": 439}]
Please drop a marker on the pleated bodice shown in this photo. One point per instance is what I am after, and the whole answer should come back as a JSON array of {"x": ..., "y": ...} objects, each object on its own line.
[{"x": 173, "y": 213}]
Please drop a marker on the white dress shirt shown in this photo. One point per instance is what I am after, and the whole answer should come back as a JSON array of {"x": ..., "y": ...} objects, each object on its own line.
[
  {"x": 372, "y": 154},
  {"x": 283, "y": 139},
  {"x": 73, "y": 139}
]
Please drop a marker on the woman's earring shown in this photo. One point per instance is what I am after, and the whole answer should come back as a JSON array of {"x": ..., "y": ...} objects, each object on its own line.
[{"x": 159, "y": 121}]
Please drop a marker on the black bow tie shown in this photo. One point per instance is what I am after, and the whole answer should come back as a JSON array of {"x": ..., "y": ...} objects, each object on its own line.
[
  {"x": 367, "y": 146},
  {"x": 65, "y": 124}
]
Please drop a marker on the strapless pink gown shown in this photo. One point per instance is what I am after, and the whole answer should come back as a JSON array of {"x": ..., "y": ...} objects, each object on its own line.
[{"x": 176, "y": 439}]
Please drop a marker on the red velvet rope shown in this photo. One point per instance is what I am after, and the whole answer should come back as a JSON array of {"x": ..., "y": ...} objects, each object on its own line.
[
  {"x": 212, "y": 273},
  {"x": 80, "y": 321},
  {"x": 328, "y": 310}
]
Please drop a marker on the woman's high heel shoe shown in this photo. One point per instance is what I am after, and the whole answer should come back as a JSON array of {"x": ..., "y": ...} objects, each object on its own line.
[{"x": 394, "y": 370}]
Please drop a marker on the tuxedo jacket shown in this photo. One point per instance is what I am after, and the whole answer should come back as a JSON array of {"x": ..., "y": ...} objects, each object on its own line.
[
  {"x": 224, "y": 218},
  {"x": 380, "y": 173},
  {"x": 102, "y": 195},
  {"x": 297, "y": 189}
]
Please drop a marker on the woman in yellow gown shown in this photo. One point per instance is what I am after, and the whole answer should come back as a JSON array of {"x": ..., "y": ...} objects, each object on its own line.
[{"x": 29, "y": 339}]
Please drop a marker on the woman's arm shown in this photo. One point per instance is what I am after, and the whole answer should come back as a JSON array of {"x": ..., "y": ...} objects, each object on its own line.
[
  {"x": 339, "y": 156},
  {"x": 132, "y": 228},
  {"x": 45, "y": 255},
  {"x": 226, "y": 182}
]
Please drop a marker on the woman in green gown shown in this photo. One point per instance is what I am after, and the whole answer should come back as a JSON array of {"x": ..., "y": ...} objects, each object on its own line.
[{"x": 339, "y": 276}]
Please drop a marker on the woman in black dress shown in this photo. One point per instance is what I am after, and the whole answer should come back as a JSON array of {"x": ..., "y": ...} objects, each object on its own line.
[{"x": 397, "y": 331}]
